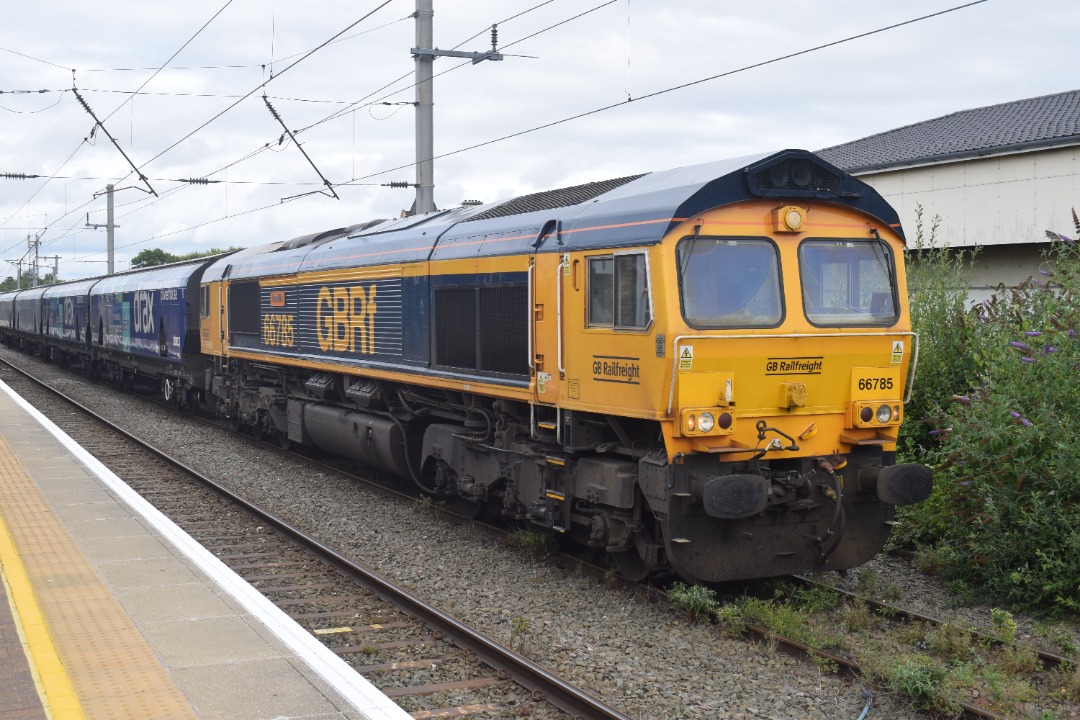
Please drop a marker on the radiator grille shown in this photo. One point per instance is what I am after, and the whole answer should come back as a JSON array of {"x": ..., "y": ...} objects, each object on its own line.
[
  {"x": 504, "y": 330},
  {"x": 244, "y": 307},
  {"x": 455, "y": 327}
]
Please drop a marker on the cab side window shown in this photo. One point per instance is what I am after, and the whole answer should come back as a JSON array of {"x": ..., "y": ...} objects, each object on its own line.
[{"x": 619, "y": 295}]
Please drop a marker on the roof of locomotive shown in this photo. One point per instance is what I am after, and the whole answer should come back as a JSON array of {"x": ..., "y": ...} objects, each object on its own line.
[{"x": 635, "y": 210}]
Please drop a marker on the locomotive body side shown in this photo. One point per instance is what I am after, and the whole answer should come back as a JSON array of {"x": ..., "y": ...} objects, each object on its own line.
[{"x": 699, "y": 371}]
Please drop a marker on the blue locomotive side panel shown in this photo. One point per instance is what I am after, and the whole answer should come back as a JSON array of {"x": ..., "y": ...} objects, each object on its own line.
[{"x": 347, "y": 321}]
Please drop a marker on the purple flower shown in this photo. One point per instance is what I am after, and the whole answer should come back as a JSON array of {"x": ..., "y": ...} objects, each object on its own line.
[
  {"x": 1027, "y": 359},
  {"x": 1016, "y": 415},
  {"x": 1025, "y": 422},
  {"x": 962, "y": 399},
  {"x": 966, "y": 483},
  {"x": 1033, "y": 333},
  {"x": 1048, "y": 348},
  {"x": 1020, "y": 346},
  {"x": 1072, "y": 334}
]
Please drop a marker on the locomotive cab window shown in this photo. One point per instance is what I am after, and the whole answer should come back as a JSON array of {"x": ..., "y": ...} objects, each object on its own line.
[
  {"x": 848, "y": 283},
  {"x": 619, "y": 295},
  {"x": 729, "y": 282}
]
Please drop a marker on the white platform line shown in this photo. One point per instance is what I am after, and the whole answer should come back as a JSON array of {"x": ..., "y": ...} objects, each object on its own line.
[{"x": 353, "y": 687}]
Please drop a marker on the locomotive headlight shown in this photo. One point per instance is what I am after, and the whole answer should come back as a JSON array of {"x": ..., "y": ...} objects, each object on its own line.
[
  {"x": 789, "y": 219},
  {"x": 884, "y": 414},
  {"x": 706, "y": 422},
  {"x": 793, "y": 218}
]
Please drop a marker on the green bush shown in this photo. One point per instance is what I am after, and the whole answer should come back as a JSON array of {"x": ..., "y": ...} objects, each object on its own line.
[
  {"x": 1004, "y": 512},
  {"x": 937, "y": 286}
]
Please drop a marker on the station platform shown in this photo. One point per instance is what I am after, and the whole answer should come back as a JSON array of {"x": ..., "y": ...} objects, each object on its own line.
[{"x": 109, "y": 610}]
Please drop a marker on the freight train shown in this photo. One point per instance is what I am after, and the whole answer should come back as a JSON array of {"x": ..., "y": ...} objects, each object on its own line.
[{"x": 700, "y": 371}]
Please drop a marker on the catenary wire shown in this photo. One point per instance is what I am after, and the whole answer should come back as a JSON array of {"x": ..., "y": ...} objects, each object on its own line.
[
  {"x": 171, "y": 58},
  {"x": 289, "y": 67},
  {"x": 683, "y": 86}
]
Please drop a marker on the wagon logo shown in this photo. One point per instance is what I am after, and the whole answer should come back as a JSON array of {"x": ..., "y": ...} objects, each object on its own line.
[
  {"x": 143, "y": 310},
  {"x": 345, "y": 319}
]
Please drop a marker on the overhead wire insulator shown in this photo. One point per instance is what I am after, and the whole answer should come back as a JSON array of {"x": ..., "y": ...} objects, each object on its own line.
[
  {"x": 494, "y": 37},
  {"x": 398, "y": 184}
]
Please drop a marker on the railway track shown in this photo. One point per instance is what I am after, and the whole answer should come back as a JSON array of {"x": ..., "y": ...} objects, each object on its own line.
[
  {"x": 352, "y": 626},
  {"x": 430, "y": 663}
]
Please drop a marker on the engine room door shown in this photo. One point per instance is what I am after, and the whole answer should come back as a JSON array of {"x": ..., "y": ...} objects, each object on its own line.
[{"x": 547, "y": 341}]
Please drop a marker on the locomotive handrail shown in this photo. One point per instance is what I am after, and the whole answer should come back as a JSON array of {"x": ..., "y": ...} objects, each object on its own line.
[
  {"x": 910, "y": 380},
  {"x": 564, "y": 263},
  {"x": 532, "y": 317}
]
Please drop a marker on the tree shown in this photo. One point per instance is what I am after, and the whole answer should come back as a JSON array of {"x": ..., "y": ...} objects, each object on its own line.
[
  {"x": 27, "y": 276},
  {"x": 151, "y": 257}
]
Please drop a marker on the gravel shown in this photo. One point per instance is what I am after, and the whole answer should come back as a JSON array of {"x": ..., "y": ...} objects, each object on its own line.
[{"x": 642, "y": 657}]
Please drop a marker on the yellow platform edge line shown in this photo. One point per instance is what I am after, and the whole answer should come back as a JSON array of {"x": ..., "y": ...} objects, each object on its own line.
[{"x": 53, "y": 683}]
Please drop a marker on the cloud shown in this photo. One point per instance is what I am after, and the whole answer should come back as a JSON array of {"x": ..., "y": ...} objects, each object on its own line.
[{"x": 982, "y": 55}]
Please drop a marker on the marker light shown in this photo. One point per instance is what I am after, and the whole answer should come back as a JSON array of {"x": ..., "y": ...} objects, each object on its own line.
[
  {"x": 725, "y": 421},
  {"x": 866, "y": 414},
  {"x": 691, "y": 423}
]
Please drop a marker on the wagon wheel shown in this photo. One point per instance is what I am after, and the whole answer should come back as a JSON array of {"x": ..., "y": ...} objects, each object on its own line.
[{"x": 191, "y": 401}]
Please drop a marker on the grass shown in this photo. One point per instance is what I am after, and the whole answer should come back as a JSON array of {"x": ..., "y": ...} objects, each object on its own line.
[
  {"x": 937, "y": 667},
  {"x": 536, "y": 543}
]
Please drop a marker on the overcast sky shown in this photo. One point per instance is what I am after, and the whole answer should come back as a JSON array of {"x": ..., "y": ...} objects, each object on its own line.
[{"x": 189, "y": 121}]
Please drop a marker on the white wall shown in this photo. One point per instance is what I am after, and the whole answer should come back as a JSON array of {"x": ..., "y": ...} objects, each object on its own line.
[
  {"x": 1003, "y": 204},
  {"x": 1004, "y": 200}
]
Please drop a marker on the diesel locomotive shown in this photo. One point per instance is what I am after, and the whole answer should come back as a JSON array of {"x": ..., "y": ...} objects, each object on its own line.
[{"x": 700, "y": 371}]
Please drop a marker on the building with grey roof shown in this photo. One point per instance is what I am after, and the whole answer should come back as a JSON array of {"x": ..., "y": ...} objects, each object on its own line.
[{"x": 997, "y": 176}]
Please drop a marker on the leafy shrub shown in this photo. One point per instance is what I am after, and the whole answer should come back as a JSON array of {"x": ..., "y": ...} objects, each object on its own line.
[
  {"x": 697, "y": 601},
  {"x": 1004, "y": 509},
  {"x": 923, "y": 680},
  {"x": 937, "y": 287}
]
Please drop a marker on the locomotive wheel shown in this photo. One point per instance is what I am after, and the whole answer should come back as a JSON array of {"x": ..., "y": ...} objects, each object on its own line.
[
  {"x": 469, "y": 509},
  {"x": 638, "y": 563},
  {"x": 631, "y": 566}
]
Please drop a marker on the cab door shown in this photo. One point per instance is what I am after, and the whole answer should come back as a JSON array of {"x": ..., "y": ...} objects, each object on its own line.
[{"x": 547, "y": 273}]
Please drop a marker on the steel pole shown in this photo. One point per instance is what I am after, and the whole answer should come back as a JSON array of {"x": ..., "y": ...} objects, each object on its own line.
[
  {"x": 109, "y": 227},
  {"x": 425, "y": 101}
]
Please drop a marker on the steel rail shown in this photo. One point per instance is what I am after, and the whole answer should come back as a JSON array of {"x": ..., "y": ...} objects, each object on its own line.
[{"x": 525, "y": 672}]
